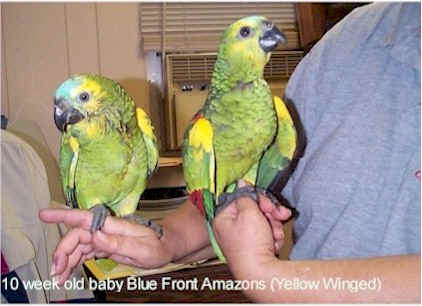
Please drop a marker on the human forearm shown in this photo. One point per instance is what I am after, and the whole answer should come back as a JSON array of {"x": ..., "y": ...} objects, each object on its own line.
[
  {"x": 185, "y": 235},
  {"x": 398, "y": 278},
  {"x": 245, "y": 237}
]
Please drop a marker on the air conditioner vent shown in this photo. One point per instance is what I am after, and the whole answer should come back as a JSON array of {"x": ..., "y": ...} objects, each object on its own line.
[
  {"x": 192, "y": 67},
  {"x": 199, "y": 67},
  {"x": 282, "y": 64}
]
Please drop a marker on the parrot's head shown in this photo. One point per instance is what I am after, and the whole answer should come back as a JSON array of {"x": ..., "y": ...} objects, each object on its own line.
[
  {"x": 248, "y": 42},
  {"x": 77, "y": 98}
]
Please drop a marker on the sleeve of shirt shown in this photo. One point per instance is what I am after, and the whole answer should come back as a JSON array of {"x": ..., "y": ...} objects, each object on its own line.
[
  {"x": 28, "y": 244},
  {"x": 310, "y": 85}
]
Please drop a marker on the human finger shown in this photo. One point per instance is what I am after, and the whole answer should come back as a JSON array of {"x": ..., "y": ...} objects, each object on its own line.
[
  {"x": 279, "y": 212},
  {"x": 71, "y": 217},
  {"x": 83, "y": 219},
  {"x": 73, "y": 261},
  {"x": 67, "y": 246}
]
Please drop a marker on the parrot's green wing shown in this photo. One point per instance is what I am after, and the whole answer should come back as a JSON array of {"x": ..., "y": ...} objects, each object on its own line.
[
  {"x": 150, "y": 139},
  {"x": 199, "y": 171},
  {"x": 68, "y": 159},
  {"x": 274, "y": 166}
]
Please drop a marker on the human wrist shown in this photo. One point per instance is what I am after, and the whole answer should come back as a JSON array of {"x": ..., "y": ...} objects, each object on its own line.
[
  {"x": 251, "y": 266},
  {"x": 169, "y": 242},
  {"x": 258, "y": 270}
]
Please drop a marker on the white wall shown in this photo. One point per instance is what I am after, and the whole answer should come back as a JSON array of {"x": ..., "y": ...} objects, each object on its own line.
[{"x": 43, "y": 43}]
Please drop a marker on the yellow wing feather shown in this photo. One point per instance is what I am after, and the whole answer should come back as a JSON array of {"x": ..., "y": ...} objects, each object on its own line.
[
  {"x": 199, "y": 162},
  {"x": 288, "y": 143},
  {"x": 144, "y": 123}
]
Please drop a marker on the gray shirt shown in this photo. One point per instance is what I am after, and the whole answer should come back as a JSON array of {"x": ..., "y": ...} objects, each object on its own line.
[{"x": 357, "y": 187}]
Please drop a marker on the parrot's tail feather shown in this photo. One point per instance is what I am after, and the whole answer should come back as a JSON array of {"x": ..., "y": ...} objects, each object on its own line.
[{"x": 214, "y": 244}]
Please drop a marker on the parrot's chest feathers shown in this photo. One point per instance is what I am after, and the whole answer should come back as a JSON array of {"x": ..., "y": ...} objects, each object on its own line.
[
  {"x": 97, "y": 145},
  {"x": 244, "y": 121}
]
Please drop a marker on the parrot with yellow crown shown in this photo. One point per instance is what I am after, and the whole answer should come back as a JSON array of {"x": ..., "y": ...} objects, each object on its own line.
[{"x": 241, "y": 134}]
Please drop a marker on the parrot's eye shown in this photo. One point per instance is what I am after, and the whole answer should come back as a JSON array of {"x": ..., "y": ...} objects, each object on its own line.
[
  {"x": 245, "y": 32},
  {"x": 84, "y": 97}
]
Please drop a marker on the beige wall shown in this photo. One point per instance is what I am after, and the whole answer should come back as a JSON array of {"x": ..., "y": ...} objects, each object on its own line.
[
  {"x": 4, "y": 100},
  {"x": 43, "y": 43}
]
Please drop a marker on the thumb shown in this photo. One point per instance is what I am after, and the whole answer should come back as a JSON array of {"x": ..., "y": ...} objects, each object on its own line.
[
  {"x": 238, "y": 206},
  {"x": 245, "y": 205},
  {"x": 229, "y": 215}
]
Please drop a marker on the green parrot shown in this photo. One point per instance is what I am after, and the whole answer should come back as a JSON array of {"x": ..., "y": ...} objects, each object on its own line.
[
  {"x": 108, "y": 148},
  {"x": 241, "y": 132}
]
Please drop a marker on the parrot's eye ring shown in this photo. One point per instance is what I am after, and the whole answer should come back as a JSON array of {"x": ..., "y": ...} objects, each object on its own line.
[
  {"x": 84, "y": 96},
  {"x": 245, "y": 32}
]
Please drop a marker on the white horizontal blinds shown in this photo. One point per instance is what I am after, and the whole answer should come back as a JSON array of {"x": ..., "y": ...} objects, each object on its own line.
[{"x": 198, "y": 26}]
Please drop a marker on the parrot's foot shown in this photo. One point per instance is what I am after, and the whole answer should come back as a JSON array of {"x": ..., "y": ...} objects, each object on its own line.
[
  {"x": 100, "y": 213},
  {"x": 146, "y": 222},
  {"x": 225, "y": 199},
  {"x": 269, "y": 195}
]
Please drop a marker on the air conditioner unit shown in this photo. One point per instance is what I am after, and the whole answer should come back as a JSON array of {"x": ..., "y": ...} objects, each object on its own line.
[{"x": 188, "y": 79}]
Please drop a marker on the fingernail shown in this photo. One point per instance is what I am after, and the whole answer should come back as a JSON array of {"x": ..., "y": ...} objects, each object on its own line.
[
  {"x": 241, "y": 183},
  {"x": 55, "y": 279},
  {"x": 60, "y": 280},
  {"x": 284, "y": 212},
  {"x": 53, "y": 270}
]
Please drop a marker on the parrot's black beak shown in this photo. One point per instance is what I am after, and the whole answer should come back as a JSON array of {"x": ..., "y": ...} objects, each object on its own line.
[
  {"x": 271, "y": 38},
  {"x": 64, "y": 114}
]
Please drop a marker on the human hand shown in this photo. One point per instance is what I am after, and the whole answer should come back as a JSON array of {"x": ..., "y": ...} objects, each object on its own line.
[
  {"x": 249, "y": 233},
  {"x": 276, "y": 215},
  {"x": 123, "y": 241}
]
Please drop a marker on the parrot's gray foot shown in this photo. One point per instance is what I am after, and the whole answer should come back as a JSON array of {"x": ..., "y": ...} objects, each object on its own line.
[
  {"x": 100, "y": 213},
  {"x": 269, "y": 195},
  {"x": 146, "y": 222},
  {"x": 225, "y": 199}
]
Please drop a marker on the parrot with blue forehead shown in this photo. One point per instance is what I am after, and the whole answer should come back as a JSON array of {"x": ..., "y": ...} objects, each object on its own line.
[
  {"x": 108, "y": 148},
  {"x": 242, "y": 134}
]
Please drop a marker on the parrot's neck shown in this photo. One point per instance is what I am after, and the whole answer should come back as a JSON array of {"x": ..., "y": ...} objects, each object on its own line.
[{"x": 228, "y": 75}]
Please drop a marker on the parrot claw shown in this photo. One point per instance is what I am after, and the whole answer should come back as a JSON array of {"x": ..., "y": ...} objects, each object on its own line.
[
  {"x": 146, "y": 222},
  {"x": 100, "y": 213},
  {"x": 269, "y": 195},
  {"x": 225, "y": 199}
]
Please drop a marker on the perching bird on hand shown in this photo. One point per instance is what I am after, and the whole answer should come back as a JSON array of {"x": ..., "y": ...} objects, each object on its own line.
[
  {"x": 241, "y": 134},
  {"x": 108, "y": 148}
]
